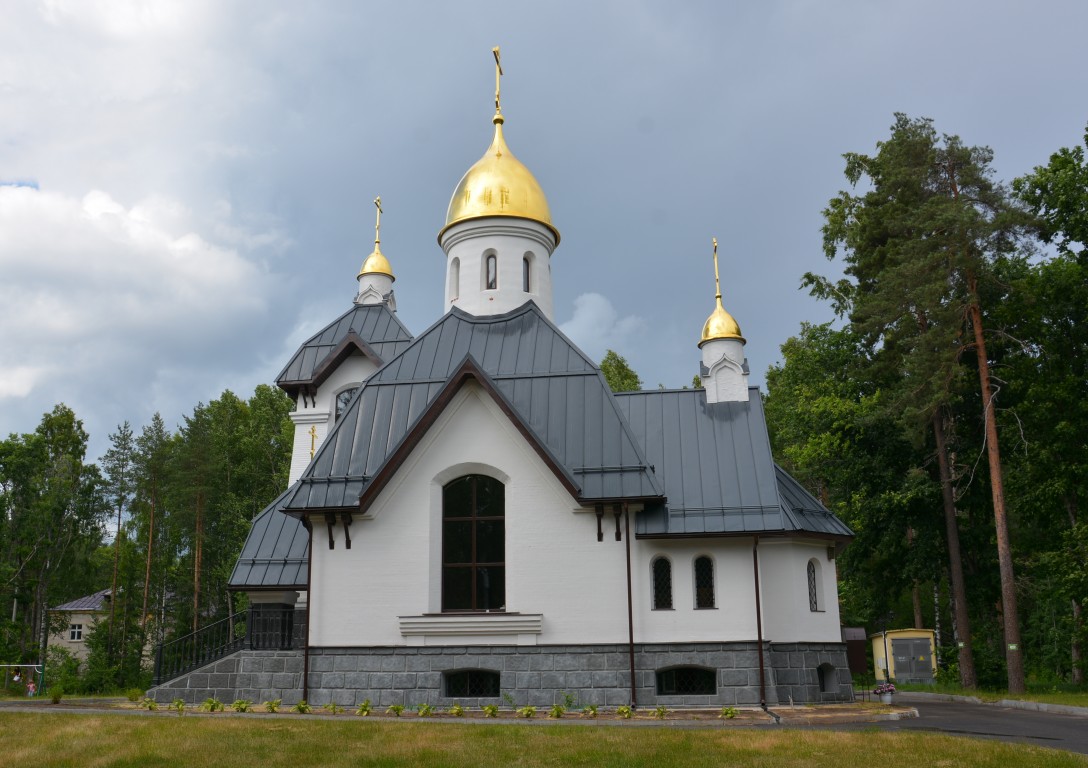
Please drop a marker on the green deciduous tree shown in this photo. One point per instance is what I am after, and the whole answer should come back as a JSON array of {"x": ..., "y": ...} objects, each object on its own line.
[{"x": 618, "y": 374}]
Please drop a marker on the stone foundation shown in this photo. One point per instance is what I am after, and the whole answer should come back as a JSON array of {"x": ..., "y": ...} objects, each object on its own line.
[{"x": 535, "y": 675}]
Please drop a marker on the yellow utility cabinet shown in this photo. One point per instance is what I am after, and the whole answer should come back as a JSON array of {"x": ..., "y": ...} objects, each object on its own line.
[{"x": 904, "y": 655}]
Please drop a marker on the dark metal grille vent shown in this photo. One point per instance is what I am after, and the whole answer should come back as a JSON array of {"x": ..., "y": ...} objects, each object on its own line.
[
  {"x": 812, "y": 606},
  {"x": 683, "y": 681},
  {"x": 481, "y": 683}
]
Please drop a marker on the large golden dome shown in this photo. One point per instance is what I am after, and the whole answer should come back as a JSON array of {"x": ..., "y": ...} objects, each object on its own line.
[
  {"x": 720, "y": 325},
  {"x": 498, "y": 185}
]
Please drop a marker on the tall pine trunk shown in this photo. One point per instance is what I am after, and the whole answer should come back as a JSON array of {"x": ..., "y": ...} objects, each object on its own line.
[
  {"x": 1076, "y": 652},
  {"x": 1014, "y": 656},
  {"x": 197, "y": 555},
  {"x": 968, "y": 679},
  {"x": 150, "y": 549}
]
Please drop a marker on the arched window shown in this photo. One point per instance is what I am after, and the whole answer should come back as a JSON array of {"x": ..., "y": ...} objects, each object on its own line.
[
  {"x": 342, "y": 399},
  {"x": 474, "y": 544},
  {"x": 662, "y": 570},
  {"x": 813, "y": 586},
  {"x": 455, "y": 280},
  {"x": 491, "y": 272},
  {"x": 482, "y": 683},
  {"x": 693, "y": 681},
  {"x": 704, "y": 582},
  {"x": 526, "y": 269}
]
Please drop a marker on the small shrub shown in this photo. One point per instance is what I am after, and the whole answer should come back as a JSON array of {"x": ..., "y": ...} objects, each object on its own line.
[
  {"x": 556, "y": 711},
  {"x": 490, "y": 710},
  {"x": 570, "y": 701},
  {"x": 425, "y": 710},
  {"x": 302, "y": 708},
  {"x": 456, "y": 710},
  {"x": 395, "y": 709},
  {"x": 178, "y": 706},
  {"x": 149, "y": 704},
  {"x": 332, "y": 708},
  {"x": 242, "y": 705},
  {"x": 508, "y": 699},
  {"x": 211, "y": 705},
  {"x": 363, "y": 709},
  {"x": 56, "y": 693},
  {"x": 134, "y": 694},
  {"x": 661, "y": 712},
  {"x": 589, "y": 710},
  {"x": 624, "y": 712},
  {"x": 273, "y": 706},
  {"x": 728, "y": 713},
  {"x": 527, "y": 712}
]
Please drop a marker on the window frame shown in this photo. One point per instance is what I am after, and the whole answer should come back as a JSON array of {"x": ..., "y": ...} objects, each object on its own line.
[
  {"x": 491, "y": 676},
  {"x": 75, "y": 632},
  {"x": 491, "y": 272},
  {"x": 657, "y": 591},
  {"x": 337, "y": 412},
  {"x": 700, "y": 592},
  {"x": 475, "y": 566},
  {"x": 670, "y": 673}
]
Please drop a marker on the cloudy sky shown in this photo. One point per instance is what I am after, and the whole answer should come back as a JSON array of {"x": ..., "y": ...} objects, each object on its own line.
[{"x": 185, "y": 188}]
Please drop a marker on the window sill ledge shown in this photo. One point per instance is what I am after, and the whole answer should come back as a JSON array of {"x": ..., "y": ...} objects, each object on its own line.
[{"x": 518, "y": 627}]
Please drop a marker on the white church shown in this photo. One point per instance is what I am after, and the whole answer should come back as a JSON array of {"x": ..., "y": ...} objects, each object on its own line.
[{"x": 473, "y": 516}]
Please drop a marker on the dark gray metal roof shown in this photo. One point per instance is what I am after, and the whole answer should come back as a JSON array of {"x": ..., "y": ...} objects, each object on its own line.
[
  {"x": 549, "y": 387},
  {"x": 373, "y": 325},
  {"x": 715, "y": 463},
  {"x": 275, "y": 554},
  {"x": 99, "y": 601}
]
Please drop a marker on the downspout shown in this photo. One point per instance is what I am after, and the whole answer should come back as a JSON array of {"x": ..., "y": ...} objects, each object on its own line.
[
  {"x": 309, "y": 602},
  {"x": 759, "y": 626},
  {"x": 630, "y": 608}
]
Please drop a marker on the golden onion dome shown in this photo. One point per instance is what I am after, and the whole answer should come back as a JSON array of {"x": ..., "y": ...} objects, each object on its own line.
[
  {"x": 720, "y": 325},
  {"x": 498, "y": 185},
  {"x": 376, "y": 264}
]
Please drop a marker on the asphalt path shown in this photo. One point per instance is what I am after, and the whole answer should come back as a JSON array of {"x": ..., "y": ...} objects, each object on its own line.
[{"x": 986, "y": 721}]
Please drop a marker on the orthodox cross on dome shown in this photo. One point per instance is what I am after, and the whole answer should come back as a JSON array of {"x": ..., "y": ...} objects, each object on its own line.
[
  {"x": 313, "y": 441},
  {"x": 378, "y": 222},
  {"x": 498, "y": 74},
  {"x": 717, "y": 283}
]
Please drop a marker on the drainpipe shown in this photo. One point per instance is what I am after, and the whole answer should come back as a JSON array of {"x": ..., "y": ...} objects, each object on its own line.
[
  {"x": 309, "y": 602},
  {"x": 759, "y": 626},
  {"x": 630, "y": 609}
]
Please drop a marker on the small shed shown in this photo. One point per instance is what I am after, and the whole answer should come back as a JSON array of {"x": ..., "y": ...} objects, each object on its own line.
[{"x": 904, "y": 655}]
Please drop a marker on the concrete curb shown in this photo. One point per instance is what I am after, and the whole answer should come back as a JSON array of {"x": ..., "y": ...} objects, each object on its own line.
[{"x": 1031, "y": 706}]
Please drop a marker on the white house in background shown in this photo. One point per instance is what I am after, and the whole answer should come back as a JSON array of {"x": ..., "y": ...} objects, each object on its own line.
[
  {"x": 80, "y": 616},
  {"x": 473, "y": 513}
]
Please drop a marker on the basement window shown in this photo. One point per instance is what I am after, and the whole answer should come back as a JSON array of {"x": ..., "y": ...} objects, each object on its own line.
[
  {"x": 475, "y": 683},
  {"x": 683, "y": 681}
]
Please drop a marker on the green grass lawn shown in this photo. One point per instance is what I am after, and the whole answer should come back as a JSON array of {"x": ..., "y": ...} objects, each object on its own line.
[{"x": 49, "y": 739}]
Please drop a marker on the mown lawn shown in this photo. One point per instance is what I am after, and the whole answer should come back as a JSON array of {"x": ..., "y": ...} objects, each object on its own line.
[
  {"x": 1071, "y": 696},
  {"x": 48, "y": 739}
]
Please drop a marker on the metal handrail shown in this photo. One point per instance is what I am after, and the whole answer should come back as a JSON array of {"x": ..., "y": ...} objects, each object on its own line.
[{"x": 263, "y": 628}]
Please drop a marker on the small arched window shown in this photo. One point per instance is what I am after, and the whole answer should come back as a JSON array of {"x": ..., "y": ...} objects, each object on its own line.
[
  {"x": 342, "y": 400},
  {"x": 491, "y": 272},
  {"x": 813, "y": 587},
  {"x": 704, "y": 582},
  {"x": 455, "y": 279},
  {"x": 662, "y": 572},
  {"x": 526, "y": 269}
]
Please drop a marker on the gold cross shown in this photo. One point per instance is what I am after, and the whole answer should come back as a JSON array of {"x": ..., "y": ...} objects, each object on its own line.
[
  {"x": 717, "y": 284},
  {"x": 498, "y": 74},
  {"x": 313, "y": 440},
  {"x": 378, "y": 222}
]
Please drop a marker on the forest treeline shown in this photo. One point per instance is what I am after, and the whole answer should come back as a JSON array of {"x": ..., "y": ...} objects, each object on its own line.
[
  {"x": 944, "y": 417},
  {"x": 181, "y": 503}
]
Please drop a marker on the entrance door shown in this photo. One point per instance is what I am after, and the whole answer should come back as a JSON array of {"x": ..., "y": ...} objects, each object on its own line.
[{"x": 913, "y": 660}]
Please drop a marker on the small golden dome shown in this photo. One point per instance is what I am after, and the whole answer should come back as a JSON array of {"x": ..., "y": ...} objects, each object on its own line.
[
  {"x": 498, "y": 185},
  {"x": 376, "y": 264},
  {"x": 720, "y": 325}
]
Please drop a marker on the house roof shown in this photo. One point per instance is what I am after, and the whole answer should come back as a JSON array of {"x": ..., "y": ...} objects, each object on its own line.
[
  {"x": 714, "y": 460},
  {"x": 368, "y": 328},
  {"x": 99, "y": 601},
  {"x": 275, "y": 554}
]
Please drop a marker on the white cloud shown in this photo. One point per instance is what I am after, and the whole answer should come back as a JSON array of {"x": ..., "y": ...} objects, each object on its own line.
[{"x": 596, "y": 326}]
